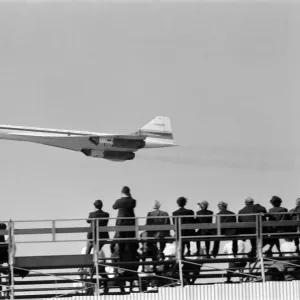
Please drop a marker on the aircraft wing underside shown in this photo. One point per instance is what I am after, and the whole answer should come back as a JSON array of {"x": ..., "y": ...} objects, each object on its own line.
[
  {"x": 117, "y": 147},
  {"x": 77, "y": 143},
  {"x": 112, "y": 147}
]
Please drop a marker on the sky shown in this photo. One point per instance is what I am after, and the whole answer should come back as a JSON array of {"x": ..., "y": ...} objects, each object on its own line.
[{"x": 226, "y": 73}]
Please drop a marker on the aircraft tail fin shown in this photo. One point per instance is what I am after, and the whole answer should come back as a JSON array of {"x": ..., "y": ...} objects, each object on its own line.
[{"x": 159, "y": 127}]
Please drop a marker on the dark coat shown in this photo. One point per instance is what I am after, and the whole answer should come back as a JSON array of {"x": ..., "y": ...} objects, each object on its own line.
[
  {"x": 99, "y": 214},
  {"x": 185, "y": 220},
  {"x": 229, "y": 217},
  {"x": 273, "y": 216},
  {"x": 248, "y": 209},
  {"x": 261, "y": 209},
  {"x": 208, "y": 219},
  {"x": 126, "y": 206},
  {"x": 295, "y": 213},
  {"x": 158, "y": 221}
]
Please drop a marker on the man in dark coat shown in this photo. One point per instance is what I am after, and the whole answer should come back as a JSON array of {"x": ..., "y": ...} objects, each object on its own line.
[
  {"x": 261, "y": 210},
  {"x": 125, "y": 206},
  {"x": 227, "y": 217},
  {"x": 250, "y": 208},
  {"x": 156, "y": 217},
  {"x": 181, "y": 201},
  {"x": 99, "y": 213},
  {"x": 206, "y": 216},
  {"x": 295, "y": 215},
  {"x": 267, "y": 240},
  {"x": 274, "y": 216}
]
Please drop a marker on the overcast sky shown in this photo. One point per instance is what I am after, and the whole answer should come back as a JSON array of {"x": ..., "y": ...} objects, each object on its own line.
[{"x": 226, "y": 73}]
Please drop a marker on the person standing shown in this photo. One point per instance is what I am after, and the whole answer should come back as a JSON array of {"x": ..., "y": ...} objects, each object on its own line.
[
  {"x": 295, "y": 215},
  {"x": 99, "y": 213},
  {"x": 126, "y": 217},
  {"x": 244, "y": 216},
  {"x": 227, "y": 216},
  {"x": 158, "y": 217},
  {"x": 187, "y": 218},
  {"x": 275, "y": 216},
  {"x": 206, "y": 216}
]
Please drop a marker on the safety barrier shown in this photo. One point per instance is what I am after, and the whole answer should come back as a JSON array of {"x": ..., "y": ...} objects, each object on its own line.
[{"x": 52, "y": 230}]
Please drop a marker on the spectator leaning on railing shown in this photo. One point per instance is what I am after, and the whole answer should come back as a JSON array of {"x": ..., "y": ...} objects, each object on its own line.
[
  {"x": 244, "y": 216},
  {"x": 275, "y": 215},
  {"x": 181, "y": 201},
  {"x": 205, "y": 216},
  {"x": 227, "y": 216},
  {"x": 151, "y": 220},
  {"x": 295, "y": 215},
  {"x": 99, "y": 213}
]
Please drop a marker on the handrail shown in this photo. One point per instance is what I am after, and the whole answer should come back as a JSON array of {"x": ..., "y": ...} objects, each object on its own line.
[
  {"x": 60, "y": 230},
  {"x": 217, "y": 229}
]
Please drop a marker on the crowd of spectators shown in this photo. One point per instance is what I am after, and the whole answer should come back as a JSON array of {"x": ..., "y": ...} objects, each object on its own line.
[
  {"x": 159, "y": 244},
  {"x": 126, "y": 217}
]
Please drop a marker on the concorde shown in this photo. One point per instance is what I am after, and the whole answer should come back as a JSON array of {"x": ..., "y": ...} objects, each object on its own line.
[{"x": 115, "y": 147}]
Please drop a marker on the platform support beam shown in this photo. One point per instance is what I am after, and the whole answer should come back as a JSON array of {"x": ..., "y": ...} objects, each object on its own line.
[
  {"x": 11, "y": 258},
  {"x": 259, "y": 243},
  {"x": 180, "y": 250},
  {"x": 96, "y": 255}
]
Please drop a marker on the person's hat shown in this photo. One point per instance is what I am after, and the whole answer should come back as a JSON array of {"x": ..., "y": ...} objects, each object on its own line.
[
  {"x": 275, "y": 200},
  {"x": 203, "y": 204},
  {"x": 156, "y": 204},
  {"x": 249, "y": 200},
  {"x": 98, "y": 203},
  {"x": 125, "y": 190},
  {"x": 222, "y": 204}
]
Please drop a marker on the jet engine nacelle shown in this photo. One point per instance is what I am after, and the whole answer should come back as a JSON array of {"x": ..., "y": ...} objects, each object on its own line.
[
  {"x": 128, "y": 144},
  {"x": 118, "y": 155}
]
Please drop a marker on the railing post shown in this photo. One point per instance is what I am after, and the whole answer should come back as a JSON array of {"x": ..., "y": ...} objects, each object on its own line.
[
  {"x": 136, "y": 228},
  {"x": 53, "y": 232},
  {"x": 96, "y": 254},
  {"x": 259, "y": 244},
  {"x": 180, "y": 251},
  {"x": 11, "y": 257},
  {"x": 218, "y": 224}
]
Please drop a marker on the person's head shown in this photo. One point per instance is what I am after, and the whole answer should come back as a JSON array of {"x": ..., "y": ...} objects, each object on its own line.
[
  {"x": 181, "y": 201},
  {"x": 156, "y": 204},
  {"x": 203, "y": 204},
  {"x": 98, "y": 204},
  {"x": 298, "y": 202},
  {"x": 126, "y": 191},
  {"x": 249, "y": 201},
  {"x": 222, "y": 205},
  {"x": 276, "y": 201}
]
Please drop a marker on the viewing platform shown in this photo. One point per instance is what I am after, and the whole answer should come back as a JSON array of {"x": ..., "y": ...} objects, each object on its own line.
[{"x": 69, "y": 273}]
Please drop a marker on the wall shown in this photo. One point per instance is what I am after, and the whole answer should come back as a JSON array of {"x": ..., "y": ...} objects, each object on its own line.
[{"x": 276, "y": 290}]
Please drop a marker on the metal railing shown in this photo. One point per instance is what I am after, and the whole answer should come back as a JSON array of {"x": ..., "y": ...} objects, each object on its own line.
[{"x": 13, "y": 231}]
